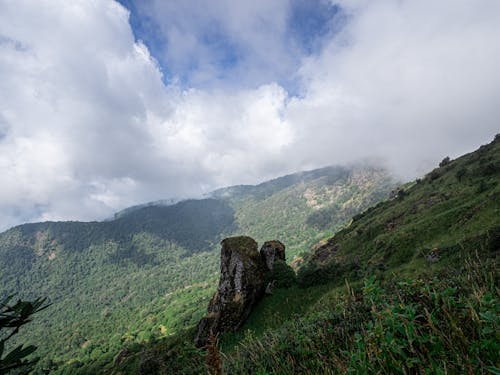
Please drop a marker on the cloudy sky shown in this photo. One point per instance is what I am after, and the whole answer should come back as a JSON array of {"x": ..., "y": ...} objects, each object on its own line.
[{"x": 106, "y": 104}]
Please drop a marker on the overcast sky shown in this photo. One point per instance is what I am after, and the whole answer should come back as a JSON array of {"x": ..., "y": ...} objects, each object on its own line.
[{"x": 105, "y": 104}]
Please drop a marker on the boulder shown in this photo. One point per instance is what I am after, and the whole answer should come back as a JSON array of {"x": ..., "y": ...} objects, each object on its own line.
[
  {"x": 271, "y": 252},
  {"x": 241, "y": 285}
]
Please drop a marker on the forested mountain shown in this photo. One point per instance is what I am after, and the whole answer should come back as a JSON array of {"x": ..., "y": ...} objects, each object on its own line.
[
  {"x": 410, "y": 286},
  {"x": 302, "y": 208},
  {"x": 149, "y": 272}
]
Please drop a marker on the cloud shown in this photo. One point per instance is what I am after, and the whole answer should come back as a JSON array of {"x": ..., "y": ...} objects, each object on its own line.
[
  {"x": 213, "y": 41},
  {"x": 75, "y": 95},
  {"x": 407, "y": 81},
  {"x": 232, "y": 43},
  {"x": 88, "y": 125},
  {"x": 228, "y": 137}
]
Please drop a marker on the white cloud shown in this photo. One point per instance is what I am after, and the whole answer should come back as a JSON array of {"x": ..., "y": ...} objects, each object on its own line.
[
  {"x": 229, "y": 138},
  {"x": 73, "y": 98},
  {"x": 88, "y": 127},
  {"x": 408, "y": 81},
  {"x": 201, "y": 36}
]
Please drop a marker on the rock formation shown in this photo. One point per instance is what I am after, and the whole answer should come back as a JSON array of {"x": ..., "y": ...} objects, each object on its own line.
[
  {"x": 271, "y": 252},
  {"x": 242, "y": 284}
]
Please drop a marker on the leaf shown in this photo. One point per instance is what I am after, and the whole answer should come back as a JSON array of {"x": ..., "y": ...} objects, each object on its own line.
[
  {"x": 493, "y": 370},
  {"x": 19, "y": 353}
]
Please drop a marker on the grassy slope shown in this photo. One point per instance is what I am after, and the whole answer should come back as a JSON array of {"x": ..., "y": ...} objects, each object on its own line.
[
  {"x": 151, "y": 272},
  {"x": 421, "y": 316},
  {"x": 452, "y": 204}
]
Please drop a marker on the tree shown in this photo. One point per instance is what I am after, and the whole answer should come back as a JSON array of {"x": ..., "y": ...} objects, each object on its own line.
[
  {"x": 445, "y": 161},
  {"x": 461, "y": 173},
  {"x": 12, "y": 317}
]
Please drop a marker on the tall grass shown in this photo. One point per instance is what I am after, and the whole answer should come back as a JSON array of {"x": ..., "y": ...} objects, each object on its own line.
[{"x": 448, "y": 324}]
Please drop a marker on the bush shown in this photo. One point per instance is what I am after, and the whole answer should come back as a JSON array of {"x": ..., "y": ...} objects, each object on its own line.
[
  {"x": 444, "y": 162},
  {"x": 427, "y": 327},
  {"x": 313, "y": 274},
  {"x": 461, "y": 173},
  {"x": 282, "y": 274},
  {"x": 434, "y": 175}
]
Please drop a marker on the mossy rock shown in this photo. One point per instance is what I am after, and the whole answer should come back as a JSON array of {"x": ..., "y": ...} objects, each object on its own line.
[{"x": 242, "y": 244}]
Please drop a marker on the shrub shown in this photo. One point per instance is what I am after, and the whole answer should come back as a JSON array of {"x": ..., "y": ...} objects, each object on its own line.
[
  {"x": 282, "y": 274},
  {"x": 434, "y": 175},
  {"x": 444, "y": 162},
  {"x": 313, "y": 274},
  {"x": 461, "y": 173}
]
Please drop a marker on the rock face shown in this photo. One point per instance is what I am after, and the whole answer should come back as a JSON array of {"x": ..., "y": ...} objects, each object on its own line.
[
  {"x": 242, "y": 284},
  {"x": 271, "y": 252}
]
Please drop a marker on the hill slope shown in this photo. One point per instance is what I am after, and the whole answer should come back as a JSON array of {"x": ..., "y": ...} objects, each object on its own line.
[
  {"x": 304, "y": 207},
  {"x": 436, "y": 217},
  {"x": 410, "y": 286},
  {"x": 149, "y": 272}
]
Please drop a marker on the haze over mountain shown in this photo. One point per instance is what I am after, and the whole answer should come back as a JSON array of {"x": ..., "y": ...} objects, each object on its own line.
[{"x": 106, "y": 104}]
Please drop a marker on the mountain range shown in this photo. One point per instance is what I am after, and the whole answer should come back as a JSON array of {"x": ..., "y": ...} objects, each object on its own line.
[
  {"x": 148, "y": 272},
  {"x": 409, "y": 286},
  {"x": 389, "y": 277}
]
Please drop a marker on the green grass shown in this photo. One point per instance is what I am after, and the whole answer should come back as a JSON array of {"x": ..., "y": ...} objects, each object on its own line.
[
  {"x": 271, "y": 312},
  {"x": 445, "y": 324}
]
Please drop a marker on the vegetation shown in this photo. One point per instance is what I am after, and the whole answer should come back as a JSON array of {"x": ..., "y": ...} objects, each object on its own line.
[
  {"x": 149, "y": 273},
  {"x": 12, "y": 317},
  {"x": 445, "y": 324},
  {"x": 409, "y": 287},
  {"x": 282, "y": 275}
]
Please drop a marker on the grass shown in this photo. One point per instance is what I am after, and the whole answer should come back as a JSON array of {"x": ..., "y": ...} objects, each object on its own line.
[{"x": 447, "y": 324}]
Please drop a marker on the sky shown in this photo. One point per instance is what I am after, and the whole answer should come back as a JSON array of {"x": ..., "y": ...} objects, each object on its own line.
[{"x": 107, "y": 104}]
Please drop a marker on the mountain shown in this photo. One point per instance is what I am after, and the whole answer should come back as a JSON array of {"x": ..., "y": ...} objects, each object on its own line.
[
  {"x": 162, "y": 202},
  {"x": 410, "y": 286},
  {"x": 149, "y": 272},
  {"x": 305, "y": 207}
]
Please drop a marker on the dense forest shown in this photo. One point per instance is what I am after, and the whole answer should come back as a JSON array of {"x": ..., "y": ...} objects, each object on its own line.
[{"x": 149, "y": 273}]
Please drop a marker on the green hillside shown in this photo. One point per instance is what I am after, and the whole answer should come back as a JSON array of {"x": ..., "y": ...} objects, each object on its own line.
[
  {"x": 302, "y": 208},
  {"x": 150, "y": 272},
  {"x": 409, "y": 287}
]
